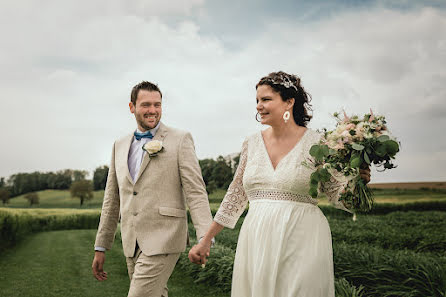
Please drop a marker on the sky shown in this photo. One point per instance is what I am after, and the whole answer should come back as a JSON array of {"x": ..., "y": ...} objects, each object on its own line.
[{"x": 67, "y": 69}]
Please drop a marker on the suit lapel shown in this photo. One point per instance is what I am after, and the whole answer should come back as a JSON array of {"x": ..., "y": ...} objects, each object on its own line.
[
  {"x": 128, "y": 143},
  {"x": 160, "y": 135}
]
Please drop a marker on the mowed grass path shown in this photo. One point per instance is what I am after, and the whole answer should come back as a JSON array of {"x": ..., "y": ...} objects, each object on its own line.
[{"x": 58, "y": 263}]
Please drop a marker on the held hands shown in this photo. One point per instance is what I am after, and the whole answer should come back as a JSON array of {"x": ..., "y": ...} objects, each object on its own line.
[
  {"x": 97, "y": 266},
  {"x": 198, "y": 253}
]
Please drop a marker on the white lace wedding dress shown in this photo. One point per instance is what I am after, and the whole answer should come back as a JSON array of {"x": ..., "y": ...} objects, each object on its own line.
[{"x": 284, "y": 247}]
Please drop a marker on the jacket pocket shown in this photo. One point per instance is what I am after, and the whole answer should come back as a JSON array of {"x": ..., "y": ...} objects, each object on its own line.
[{"x": 172, "y": 212}]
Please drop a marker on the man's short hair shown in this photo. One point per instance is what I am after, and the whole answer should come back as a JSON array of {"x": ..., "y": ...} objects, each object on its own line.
[{"x": 144, "y": 85}]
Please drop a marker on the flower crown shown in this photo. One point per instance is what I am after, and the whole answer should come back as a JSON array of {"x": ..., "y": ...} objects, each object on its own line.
[{"x": 283, "y": 80}]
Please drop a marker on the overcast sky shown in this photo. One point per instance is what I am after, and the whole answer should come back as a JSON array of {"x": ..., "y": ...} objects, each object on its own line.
[{"x": 67, "y": 68}]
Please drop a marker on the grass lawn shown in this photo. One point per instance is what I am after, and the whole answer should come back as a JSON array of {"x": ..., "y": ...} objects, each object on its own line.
[{"x": 58, "y": 263}]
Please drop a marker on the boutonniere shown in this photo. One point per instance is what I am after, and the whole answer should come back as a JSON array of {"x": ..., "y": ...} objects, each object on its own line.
[{"x": 153, "y": 147}]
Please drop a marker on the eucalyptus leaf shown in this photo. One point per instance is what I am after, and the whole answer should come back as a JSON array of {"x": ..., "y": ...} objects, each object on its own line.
[
  {"x": 366, "y": 158},
  {"x": 314, "y": 149},
  {"x": 313, "y": 181},
  {"x": 313, "y": 192},
  {"x": 392, "y": 147},
  {"x": 357, "y": 146},
  {"x": 355, "y": 162},
  {"x": 324, "y": 175},
  {"x": 381, "y": 150},
  {"x": 319, "y": 151},
  {"x": 383, "y": 138}
]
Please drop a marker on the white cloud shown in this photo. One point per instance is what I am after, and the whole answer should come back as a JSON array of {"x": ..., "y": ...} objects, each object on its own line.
[{"x": 68, "y": 76}]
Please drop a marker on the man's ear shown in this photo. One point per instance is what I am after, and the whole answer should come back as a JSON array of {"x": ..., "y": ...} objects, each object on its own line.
[{"x": 132, "y": 107}]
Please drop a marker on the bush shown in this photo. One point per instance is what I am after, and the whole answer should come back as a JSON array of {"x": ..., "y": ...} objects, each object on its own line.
[
  {"x": 398, "y": 254},
  {"x": 416, "y": 231},
  {"x": 390, "y": 273},
  {"x": 344, "y": 289},
  {"x": 218, "y": 270},
  {"x": 16, "y": 224}
]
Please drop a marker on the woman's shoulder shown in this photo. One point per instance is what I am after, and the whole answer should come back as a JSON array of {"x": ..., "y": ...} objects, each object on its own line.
[
  {"x": 313, "y": 136},
  {"x": 254, "y": 137}
]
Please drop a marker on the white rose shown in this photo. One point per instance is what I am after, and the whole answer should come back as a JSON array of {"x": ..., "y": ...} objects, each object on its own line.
[
  {"x": 153, "y": 147},
  {"x": 368, "y": 135}
]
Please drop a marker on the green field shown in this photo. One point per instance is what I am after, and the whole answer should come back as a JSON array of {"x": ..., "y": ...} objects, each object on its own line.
[
  {"x": 58, "y": 263},
  {"x": 389, "y": 253},
  {"x": 62, "y": 199}
]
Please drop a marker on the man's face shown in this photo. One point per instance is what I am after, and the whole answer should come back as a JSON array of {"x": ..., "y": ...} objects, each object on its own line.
[{"x": 147, "y": 109}]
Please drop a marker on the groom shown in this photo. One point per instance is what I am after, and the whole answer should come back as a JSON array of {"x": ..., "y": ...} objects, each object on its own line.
[{"x": 148, "y": 190}]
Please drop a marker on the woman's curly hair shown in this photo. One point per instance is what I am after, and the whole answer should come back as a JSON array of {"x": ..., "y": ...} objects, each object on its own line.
[{"x": 288, "y": 86}]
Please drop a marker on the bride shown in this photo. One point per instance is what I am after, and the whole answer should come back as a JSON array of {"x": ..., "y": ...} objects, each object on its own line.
[{"x": 284, "y": 247}]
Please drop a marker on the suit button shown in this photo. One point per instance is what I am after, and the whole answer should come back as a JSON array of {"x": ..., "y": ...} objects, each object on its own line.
[
  {"x": 135, "y": 213},
  {"x": 135, "y": 193}
]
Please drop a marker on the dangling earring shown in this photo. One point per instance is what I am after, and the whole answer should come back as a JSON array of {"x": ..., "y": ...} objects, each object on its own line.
[
  {"x": 257, "y": 118},
  {"x": 286, "y": 116}
]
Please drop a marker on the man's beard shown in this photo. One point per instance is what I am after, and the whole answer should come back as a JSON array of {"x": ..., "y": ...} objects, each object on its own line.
[{"x": 140, "y": 121}]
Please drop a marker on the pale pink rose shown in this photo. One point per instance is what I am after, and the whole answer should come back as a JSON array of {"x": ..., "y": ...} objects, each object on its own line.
[
  {"x": 350, "y": 126},
  {"x": 339, "y": 146},
  {"x": 345, "y": 134}
]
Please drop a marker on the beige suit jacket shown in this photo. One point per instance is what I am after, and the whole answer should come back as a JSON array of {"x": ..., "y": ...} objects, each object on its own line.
[{"x": 153, "y": 208}]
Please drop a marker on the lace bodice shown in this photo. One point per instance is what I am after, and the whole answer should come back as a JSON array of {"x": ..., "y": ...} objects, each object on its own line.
[{"x": 256, "y": 178}]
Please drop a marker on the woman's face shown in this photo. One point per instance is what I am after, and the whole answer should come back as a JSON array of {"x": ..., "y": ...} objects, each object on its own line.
[{"x": 271, "y": 107}]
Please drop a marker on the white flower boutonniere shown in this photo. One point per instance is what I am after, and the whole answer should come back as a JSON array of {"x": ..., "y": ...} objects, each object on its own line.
[{"x": 153, "y": 147}]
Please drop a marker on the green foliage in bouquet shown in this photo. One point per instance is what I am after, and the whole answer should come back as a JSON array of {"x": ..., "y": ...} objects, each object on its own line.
[{"x": 355, "y": 143}]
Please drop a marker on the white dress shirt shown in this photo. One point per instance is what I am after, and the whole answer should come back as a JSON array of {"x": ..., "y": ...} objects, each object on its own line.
[{"x": 136, "y": 153}]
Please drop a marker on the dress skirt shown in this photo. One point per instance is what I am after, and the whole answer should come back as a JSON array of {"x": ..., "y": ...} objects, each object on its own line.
[{"x": 284, "y": 250}]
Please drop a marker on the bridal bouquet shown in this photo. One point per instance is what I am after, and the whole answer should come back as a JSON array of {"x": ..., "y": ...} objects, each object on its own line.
[{"x": 355, "y": 143}]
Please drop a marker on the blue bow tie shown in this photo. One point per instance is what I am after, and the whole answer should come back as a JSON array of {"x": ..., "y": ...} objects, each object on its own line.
[{"x": 147, "y": 134}]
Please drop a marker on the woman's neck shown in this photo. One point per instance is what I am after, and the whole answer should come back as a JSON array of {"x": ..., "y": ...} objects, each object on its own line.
[{"x": 284, "y": 130}]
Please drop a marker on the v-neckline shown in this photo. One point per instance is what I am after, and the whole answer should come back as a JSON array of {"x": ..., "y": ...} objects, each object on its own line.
[{"x": 288, "y": 153}]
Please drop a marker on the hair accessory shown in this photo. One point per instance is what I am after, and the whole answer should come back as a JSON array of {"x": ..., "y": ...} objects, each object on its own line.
[{"x": 284, "y": 80}]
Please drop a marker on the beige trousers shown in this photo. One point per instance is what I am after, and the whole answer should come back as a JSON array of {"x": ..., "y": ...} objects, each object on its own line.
[{"x": 149, "y": 274}]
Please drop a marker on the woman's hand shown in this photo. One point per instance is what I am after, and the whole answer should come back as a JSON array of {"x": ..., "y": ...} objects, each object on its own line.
[
  {"x": 198, "y": 253},
  {"x": 365, "y": 175}
]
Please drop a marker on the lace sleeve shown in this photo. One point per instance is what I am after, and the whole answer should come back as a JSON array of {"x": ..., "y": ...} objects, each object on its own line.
[
  {"x": 333, "y": 188},
  {"x": 235, "y": 200}
]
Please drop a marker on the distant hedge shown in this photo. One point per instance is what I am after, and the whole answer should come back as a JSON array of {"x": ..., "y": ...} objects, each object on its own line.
[{"x": 17, "y": 223}]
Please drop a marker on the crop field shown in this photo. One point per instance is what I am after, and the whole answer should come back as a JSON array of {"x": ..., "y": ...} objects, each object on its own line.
[
  {"x": 396, "y": 254},
  {"x": 399, "y": 249}
]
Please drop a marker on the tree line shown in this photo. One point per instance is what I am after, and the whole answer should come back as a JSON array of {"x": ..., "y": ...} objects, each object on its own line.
[{"x": 217, "y": 174}]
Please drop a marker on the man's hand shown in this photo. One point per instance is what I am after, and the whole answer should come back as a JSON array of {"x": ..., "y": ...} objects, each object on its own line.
[
  {"x": 365, "y": 175},
  {"x": 199, "y": 252},
  {"x": 97, "y": 266}
]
